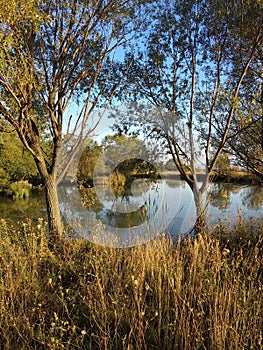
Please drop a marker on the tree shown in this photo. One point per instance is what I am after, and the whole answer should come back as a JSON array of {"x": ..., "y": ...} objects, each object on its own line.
[
  {"x": 246, "y": 146},
  {"x": 133, "y": 161},
  {"x": 15, "y": 161},
  {"x": 245, "y": 141},
  {"x": 185, "y": 83},
  {"x": 136, "y": 151},
  {"x": 54, "y": 53},
  {"x": 222, "y": 166},
  {"x": 87, "y": 161}
]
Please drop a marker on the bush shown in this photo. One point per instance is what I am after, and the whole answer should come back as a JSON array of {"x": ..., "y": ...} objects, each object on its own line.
[{"x": 20, "y": 189}]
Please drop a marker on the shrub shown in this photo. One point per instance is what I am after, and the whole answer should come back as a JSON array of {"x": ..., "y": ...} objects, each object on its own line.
[{"x": 20, "y": 189}]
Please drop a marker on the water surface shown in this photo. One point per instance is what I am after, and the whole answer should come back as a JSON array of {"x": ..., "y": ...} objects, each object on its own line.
[{"x": 148, "y": 207}]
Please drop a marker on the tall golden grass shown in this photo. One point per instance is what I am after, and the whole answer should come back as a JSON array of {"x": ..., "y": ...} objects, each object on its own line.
[{"x": 197, "y": 293}]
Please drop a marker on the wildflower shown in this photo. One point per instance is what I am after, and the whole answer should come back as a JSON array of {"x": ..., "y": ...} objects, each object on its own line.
[{"x": 136, "y": 283}]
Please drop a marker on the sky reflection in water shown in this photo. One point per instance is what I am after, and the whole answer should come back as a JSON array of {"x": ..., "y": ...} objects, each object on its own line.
[{"x": 165, "y": 204}]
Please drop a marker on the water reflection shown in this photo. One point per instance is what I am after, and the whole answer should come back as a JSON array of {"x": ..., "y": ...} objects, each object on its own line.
[
  {"x": 165, "y": 204},
  {"x": 170, "y": 203},
  {"x": 219, "y": 194},
  {"x": 224, "y": 195},
  {"x": 252, "y": 197},
  {"x": 121, "y": 208},
  {"x": 22, "y": 209},
  {"x": 129, "y": 218},
  {"x": 227, "y": 200}
]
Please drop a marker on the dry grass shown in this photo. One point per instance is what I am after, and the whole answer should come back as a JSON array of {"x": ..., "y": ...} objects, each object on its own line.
[{"x": 202, "y": 293}]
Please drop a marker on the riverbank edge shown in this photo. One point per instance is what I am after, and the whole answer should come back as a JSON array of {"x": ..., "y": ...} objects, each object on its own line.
[{"x": 235, "y": 177}]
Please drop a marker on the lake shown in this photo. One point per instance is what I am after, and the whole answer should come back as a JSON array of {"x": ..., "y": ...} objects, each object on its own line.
[{"x": 133, "y": 217}]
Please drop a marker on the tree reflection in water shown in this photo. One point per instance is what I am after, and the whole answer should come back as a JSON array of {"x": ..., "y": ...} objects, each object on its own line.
[
  {"x": 127, "y": 205},
  {"x": 219, "y": 194},
  {"x": 252, "y": 197}
]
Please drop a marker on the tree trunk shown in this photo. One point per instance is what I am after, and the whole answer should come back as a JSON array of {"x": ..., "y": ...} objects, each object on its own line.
[
  {"x": 55, "y": 224},
  {"x": 53, "y": 212},
  {"x": 200, "y": 223}
]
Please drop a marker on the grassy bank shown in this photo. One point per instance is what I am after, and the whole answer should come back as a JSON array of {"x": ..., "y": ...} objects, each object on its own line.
[{"x": 202, "y": 293}]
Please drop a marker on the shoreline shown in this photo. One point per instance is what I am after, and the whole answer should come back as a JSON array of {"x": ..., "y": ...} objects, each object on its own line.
[
  {"x": 240, "y": 178},
  {"x": 235, "y": 177},
  {"x": 227, "y": 178}
]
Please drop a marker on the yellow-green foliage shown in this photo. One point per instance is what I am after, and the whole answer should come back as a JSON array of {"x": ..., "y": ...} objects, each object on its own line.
[
  {"x": 20, "y": 189},
  {"x": 196, "y": 294},
  {"x": 117, "y": 182}
]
